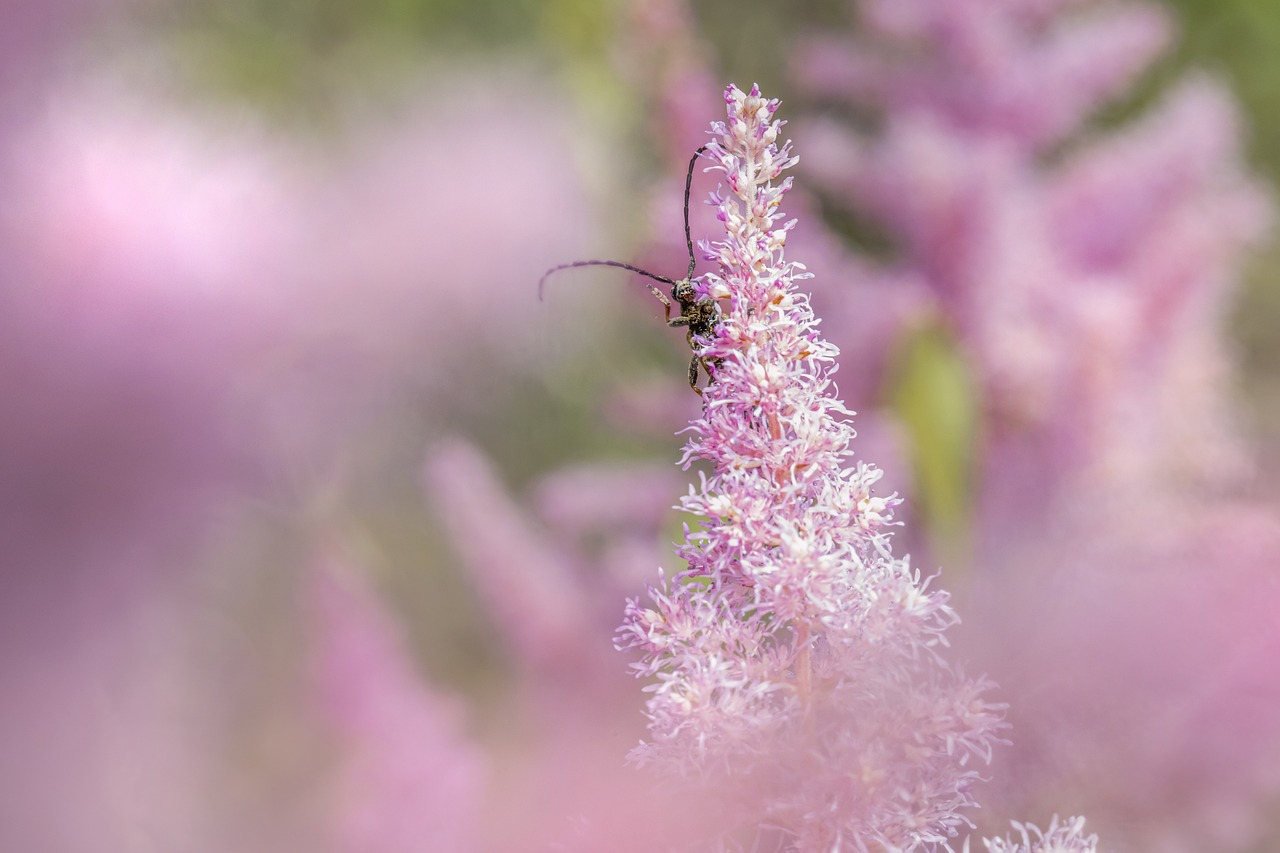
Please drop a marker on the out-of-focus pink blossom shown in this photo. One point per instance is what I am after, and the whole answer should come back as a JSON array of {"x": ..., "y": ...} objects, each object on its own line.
[
  {"x": 198, "y": 307},
  {"x": 551, "y": 596},
  {"x": 1013, "y": 69},
  {"x": 125, "y": 345},
  {"x": 629, "y": 497},
  {"x": 322, "y": 279},
  {"x": 1088, "y": 295},
  {"x": 1086, "y": 288},
  {"x": 1162, "y": 689},
  {"x": 407, "y": 778},
  {"x": 664, "y": 50},
  {"x": 552, "y": 599},
  {"x": 528, "y": 585},
  {"x": 191, "y": 300},
  {"x": 184, "y": 311}
]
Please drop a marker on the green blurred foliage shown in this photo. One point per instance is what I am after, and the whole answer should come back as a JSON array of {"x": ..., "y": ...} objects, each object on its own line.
[
  {"x": 935, "y": 398},
  {"x": 1240, "y": 41},
  {"x": 296, "y": 57}
]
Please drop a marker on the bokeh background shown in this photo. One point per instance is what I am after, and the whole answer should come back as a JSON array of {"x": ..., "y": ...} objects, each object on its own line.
[{"x": 315, "y": 522}]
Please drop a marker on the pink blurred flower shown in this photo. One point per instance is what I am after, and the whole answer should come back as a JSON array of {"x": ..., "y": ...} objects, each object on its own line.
[
  {"x": 553, "y": 599},
  {"x": 1021, "y": 70},
  {"x": 528, "y": 586},
  {"x": 1140, "y": 677},
  {"x": 1088, "y": 295},
  {"x": 191, "y": 302},
  {"x": 1086, "y": 288},
  {"x": 664, "y": 51},
  {"x": 407, "y": 779},
  {"x": 200, "y": 311},
  {"x": 124, "y": 349}
]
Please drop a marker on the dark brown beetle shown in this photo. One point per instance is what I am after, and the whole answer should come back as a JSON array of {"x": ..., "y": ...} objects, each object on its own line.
[{"x": 700, "y": 316}]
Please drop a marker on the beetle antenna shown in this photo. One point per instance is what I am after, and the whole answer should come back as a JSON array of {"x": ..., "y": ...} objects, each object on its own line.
[
  {"x": 545, "y": 275},
  {"x": 688, "y": 240},
  {"x": 688, "y": 185}
]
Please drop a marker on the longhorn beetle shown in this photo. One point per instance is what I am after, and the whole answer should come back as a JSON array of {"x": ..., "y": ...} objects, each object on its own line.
[{"x": 699, "y": 315}]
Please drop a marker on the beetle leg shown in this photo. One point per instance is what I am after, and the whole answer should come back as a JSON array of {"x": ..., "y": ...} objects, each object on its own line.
[{"x": 662, "y": 297}]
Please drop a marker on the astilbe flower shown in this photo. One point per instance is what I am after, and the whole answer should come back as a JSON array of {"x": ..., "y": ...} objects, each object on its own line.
[
  {"x": 796, "y": 659},
  {"x": 1058, "y": 838}
]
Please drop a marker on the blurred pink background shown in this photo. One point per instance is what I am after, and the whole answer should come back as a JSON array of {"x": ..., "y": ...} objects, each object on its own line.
[{"x": 316, "y": 525}]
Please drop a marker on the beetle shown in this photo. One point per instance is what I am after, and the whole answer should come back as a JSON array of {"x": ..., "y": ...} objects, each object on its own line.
[{"x": 698, "y": 316}]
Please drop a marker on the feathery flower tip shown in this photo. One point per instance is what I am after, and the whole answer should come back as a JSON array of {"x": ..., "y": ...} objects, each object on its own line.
[{"x": 1065, "y": 837}]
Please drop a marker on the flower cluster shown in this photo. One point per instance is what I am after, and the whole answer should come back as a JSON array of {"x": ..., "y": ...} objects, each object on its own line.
[
  {"x": 796, "y": 659},
  {"x": 1065, "y": 837}
]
